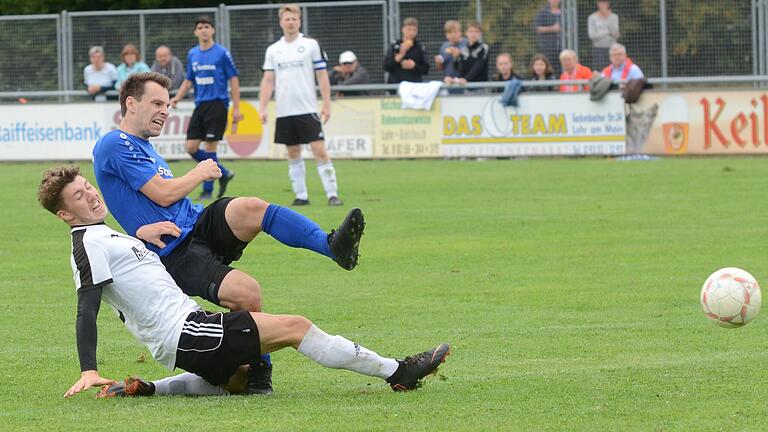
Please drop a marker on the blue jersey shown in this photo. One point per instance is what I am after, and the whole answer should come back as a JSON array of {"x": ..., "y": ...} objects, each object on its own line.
[
  {"x": 210, "y": 72},
  {"x": 123, "y": 164}
]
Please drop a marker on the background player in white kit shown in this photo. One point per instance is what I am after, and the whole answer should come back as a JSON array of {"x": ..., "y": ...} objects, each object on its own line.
[{"x": 290, "y": 68}]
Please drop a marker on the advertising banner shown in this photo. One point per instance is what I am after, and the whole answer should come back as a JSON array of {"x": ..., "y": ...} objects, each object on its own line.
[
  {"x": 712, "y": 122},
  {"x": 543, "y": 124}
]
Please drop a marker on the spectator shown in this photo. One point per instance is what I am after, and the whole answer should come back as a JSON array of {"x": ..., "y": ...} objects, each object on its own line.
[
  {"x": 450, "y": 51},
  {"x": 349, "y": 72},
  {"x": 621, "y": 67},
  {"x": 406, "y": 59},
  {"x": 603, "y": 27},
  {"x": 99, "y": 76},
  {"x": 573, "y": 70},
  {"x": 540, "y": 69},
  {"x": 169, "y": 65},
  {"x": 547, "y": 27},
  {"x": 131, "y": 64},
  {"x": 505, "y": 68},
  {"x": 474, "y": 58}
]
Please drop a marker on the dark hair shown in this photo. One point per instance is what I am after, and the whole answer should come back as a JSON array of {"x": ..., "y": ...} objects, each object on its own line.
[
  {"x": 204, "y": 19},
  {"x": 134, "y": 86},
  {"x": 542, "y": 57},
  {"x": 54, "y": 181},
  {"x": 476, "y": 25}
]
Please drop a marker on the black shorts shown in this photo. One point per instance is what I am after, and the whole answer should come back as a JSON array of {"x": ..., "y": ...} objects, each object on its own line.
[
  {"x": 209, "y": 120},
  {"x": 214, "y": 345},
  {"x": 298, "y": 129},
  {"x": 200, "y": 262}
]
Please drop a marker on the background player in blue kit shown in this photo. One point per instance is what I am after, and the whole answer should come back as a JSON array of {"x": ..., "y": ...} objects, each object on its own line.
[
  {"x": 140, "y": 189},
  {"x": 209, "y": 67}
]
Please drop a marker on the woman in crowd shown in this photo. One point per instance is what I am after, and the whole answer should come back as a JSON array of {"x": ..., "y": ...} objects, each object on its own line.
[
  {"x": 540, "y": 70},
  {"x": 131, "y": 64}
]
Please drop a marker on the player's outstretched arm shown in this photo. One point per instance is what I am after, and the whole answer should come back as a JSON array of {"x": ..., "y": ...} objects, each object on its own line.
[
  {"x": 88, "y": 303},
  {"x": 265, "y": 93},
  {"x": 165, "y": 192}
]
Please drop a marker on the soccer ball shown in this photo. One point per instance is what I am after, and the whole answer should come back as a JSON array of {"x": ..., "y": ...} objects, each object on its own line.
[{"x": 731, "y": 297}]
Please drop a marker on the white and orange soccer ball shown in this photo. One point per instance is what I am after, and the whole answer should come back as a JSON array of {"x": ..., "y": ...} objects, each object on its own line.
[{"x": 731, "y": 297}]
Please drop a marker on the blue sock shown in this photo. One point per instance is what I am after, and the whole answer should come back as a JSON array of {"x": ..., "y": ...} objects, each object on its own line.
[
  {"x": 212, "y": 155},
  {"x": 208, "y": 186},
  {"x": 295, "y": 230},
  {"x": 267, "y": 359},
  {"x": 199, "y": 155}
]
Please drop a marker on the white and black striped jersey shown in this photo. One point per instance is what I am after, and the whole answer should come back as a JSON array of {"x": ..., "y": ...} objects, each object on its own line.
[
  {"x": 295, "y": 64},
  {"x": 135, "y": 283}
]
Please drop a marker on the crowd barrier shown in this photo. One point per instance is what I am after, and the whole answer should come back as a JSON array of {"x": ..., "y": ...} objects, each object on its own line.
[{"x": 662, "y": 123}]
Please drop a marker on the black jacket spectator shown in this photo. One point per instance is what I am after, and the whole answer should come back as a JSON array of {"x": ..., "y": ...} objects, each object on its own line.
[
  {"x": 397, "y": 74},
  {"x": 549, "y": 77},
  {"x": 474, "y": 62}
]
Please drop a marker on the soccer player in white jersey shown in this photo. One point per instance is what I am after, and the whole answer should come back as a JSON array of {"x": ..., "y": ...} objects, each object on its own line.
[
  {"x": 290, "y": 68},
  {"x": 214, "y": 347}
]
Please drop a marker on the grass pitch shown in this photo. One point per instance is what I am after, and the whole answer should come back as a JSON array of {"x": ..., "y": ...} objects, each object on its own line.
[{"x": 568, "y": 289}]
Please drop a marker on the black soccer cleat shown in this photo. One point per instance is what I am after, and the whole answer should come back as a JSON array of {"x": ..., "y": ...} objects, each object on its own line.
[
  {"x": 334, "y": 201},
  {"x": 130, "y": 387},
  {"x": 300, "y": 202},
  {"x": 345, "y": 240},
  {"x": 259, "y": 379},
  {"x": 223, "y": 182},
  {"x": 413, "y": 368}
]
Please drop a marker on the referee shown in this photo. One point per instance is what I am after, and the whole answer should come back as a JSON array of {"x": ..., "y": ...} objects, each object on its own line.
[
  {"x": 290, "y": 68},
  {"x": 209, "y": 68}
]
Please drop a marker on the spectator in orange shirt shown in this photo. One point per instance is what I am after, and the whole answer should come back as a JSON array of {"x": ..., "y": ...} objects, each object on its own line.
[{"x": 573, "y": 70}]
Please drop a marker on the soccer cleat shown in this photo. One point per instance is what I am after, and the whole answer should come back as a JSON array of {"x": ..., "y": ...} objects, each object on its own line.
[
  {"x": 334, "y": 201},
  {"x": 223, "y": 182},
  {"x": 300, "y": 202},
  {"x": 345, "y": 240},
  {"x": 130, "y": 387},
  {"x": 204, "y": 196},
  {"x": 413, "y": 368},
  {"x": 259, "y": 379}
]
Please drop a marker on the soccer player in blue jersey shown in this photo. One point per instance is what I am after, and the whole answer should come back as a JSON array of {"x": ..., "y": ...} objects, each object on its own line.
[
  {"x": 209, "y": 67},
  {"x": 201, "y": 243}
]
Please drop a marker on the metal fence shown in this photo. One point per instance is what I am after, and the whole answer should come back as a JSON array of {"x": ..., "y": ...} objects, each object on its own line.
[{"x": 666, "y": 38}]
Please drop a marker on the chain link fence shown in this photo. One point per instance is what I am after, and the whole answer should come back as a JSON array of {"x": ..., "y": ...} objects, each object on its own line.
[
  {"x": 338, "y": 26},
  {"x": 145, "y": 29},
  {"x": 666, "y": 38},
  {"x": 30, "y": 60}
]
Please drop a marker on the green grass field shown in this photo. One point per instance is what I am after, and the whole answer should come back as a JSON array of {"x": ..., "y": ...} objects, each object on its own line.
[{"x": 568, "y": 289}]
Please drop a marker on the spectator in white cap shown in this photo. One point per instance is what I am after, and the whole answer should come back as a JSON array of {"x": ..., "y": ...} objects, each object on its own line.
[{"x": 349, "y": 72}]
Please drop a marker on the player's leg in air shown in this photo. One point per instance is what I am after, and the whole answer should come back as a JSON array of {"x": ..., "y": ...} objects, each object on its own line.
[{"x": 275, "y": 332}]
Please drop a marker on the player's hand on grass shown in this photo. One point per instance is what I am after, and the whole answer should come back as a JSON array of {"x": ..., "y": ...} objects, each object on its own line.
[
  {"x": 208, "y": 169},
  {"x": 152, "y": 233},
  {"x": 88, "y": 379}
]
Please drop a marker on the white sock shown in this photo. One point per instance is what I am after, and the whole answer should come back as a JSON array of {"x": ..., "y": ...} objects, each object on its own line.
[
  {"x": 297, "y": 172},
  {"x": 187, "y": 384},
  {"x": 339, "y": 353},
  {"x": 328, "y": 177}
]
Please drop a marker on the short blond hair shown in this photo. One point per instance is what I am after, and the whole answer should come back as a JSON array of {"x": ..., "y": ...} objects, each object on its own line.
[
  {"x": 569, "y": 53},
  {"x": 451, "y": 25},
  {"x": 290, "y": 7},
  {"x": 410, "y": 21}
]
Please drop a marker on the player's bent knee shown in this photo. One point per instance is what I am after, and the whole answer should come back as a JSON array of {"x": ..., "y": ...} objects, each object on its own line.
[
  {"x": 256, "y": 205},
  {"x": 298, "y": 326}
]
